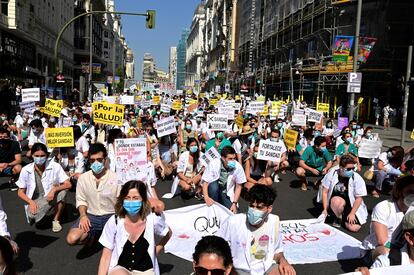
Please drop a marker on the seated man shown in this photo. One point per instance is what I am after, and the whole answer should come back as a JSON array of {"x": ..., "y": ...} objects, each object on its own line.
[
  {"x": 280, "y": 166},
  {"x": 257, "y": 235},
  {"x": 10, "y": 157},
  {"x": 223, "y": 179},
  {"x": 315, "y": 161},
  {"x": 342, "y": 194}
]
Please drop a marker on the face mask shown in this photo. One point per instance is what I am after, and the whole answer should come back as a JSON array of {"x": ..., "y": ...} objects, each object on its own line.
[
  {"x": 188, "y": 127},
  {"x": 348, "y": 174},
  {"x": 52, "y": 120},
  {"x": 86, "y": 124},
  {"x": 255, "y": 216},
  {"x": 132, "y": 207},
  {"x": 220, "y": 136},
  {"x": 5, "y": 142},
  {"x": 97, "y": 167},
  {"x": 75, "y": 119},
  {"x": 354, "y": 127},
  {"x": 317, "y": 134},
  {"x": 329, "y": 125},
  {"x": 231, "y": 164},
  {"x": 262, "y": 120},
  {"x": 348, "y": 140},
  {"x": 369, "y": 134},
  {"x": 409, "y": 200},
  {"x": 274, "y": 139},
  {"x": 389, "y": 155},
  {"x": 3, "y": 118},
  {"x": 322, "y": 149},
  {"x": 36, "y": 117},
  {"x": 255, "y": 155},
  {"x": 193, "y": 149},
  {"x": 39, "y": 160},
  {"x": 358, "y": 127},
  {"x": 177, "y": 124},
  {"x": 279, "y": 125},
  {"x": 155, "y": 119}
]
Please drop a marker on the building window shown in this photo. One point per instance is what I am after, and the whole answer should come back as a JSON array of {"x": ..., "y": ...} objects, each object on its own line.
[
  {"x": 4, "y": 7},
  {"x": 106, "y": 45}
]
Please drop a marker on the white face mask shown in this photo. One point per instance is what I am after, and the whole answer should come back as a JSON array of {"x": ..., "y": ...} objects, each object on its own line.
[{"x": 409, "y": 200}]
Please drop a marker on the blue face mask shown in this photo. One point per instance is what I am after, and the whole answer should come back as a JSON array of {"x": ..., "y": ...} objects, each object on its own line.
[
  {"x": 97, "y": 167},
  {"x": 255, "y": 216},
  {"x": 188, "y": 127},
  {"x": 132, "y": 207},
  {"x": 177, "y": 124},
  {"x": 193, "y": 149},
  {"x": 348, "y": 174},
  {"x": 323, "y": 149},
  {"x": 316, "y": 134},
  {"x": 348, "y": 140},
  {"x": 231, "y": 164},
  {"x": 279, "y": 125},
  {"x": 249, "y": 138}
]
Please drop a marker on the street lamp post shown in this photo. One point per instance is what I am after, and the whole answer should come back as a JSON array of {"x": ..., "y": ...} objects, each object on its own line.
[{"x": 355, "y": 58}]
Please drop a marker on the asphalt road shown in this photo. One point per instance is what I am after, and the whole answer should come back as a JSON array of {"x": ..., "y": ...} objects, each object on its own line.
[{"x": 45, "y": 252}]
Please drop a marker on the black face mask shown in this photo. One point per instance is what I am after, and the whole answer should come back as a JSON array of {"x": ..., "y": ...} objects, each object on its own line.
[{"x": 5, "y": 142}]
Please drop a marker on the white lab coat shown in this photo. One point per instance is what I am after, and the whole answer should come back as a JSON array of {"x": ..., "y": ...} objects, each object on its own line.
[
  {"x": 356, "y": 188},
  {"x": 3, "y": 225},
  {"x": 53, "y": 175},
  {"x": 234, "y": 230},
  {"x": 212, "y": 173},
  {"x": 114, "y": 236}
]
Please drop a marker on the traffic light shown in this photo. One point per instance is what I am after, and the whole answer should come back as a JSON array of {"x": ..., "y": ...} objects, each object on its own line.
[{"x": 150, "y": 21}]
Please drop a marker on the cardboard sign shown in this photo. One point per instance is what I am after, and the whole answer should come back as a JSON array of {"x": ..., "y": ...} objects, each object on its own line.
[
  {"x": 265, "y": 111},
  {"x": 229, "y": 111},
  {"x": 208, "y": 156},
  {"x": 261, "y": 98},
  {"x": 166, "y": 126},
  {"x": 146, "y": 104},
  {"x": 342, "y": 122},
  {"x": 269, "y": 150},
  {"x": 299, "y": 120},
  {"x": 217, "y": 122},
  {"x": 255, "y": 107},
  {"x": 59, "y": 137},
  {"x": 106, "y": 113},
  {"x": 110, "y": 99},
  {"x": 177, "y": 105},
  {"x": 156, "y": 99},
  {"x": 290, "y": 137},
  {"x": 323, "y": 107},
  {"x": 369, "y": 148},
  {"x": 53, "y": 107},
  {"x": 213, "y": 101},
  {"x": 165, "y": 108},
  {"x": 131, "y": 159},
  {"x": 27, "y": 105},
  {"x": 315, "y": 116},
  {"x": 127, "y": 99},
  {"x": 30, "y": 94}
]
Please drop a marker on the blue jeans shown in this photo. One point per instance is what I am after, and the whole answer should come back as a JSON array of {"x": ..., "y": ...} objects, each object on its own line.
[{"x": 218, "y": 194}]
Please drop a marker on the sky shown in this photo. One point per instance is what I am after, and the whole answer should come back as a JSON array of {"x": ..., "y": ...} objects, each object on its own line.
[{"x": 172, "y": 16}]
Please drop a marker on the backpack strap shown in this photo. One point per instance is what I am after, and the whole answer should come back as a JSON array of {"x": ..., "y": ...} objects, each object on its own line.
[{"x": 395, "y": 256}]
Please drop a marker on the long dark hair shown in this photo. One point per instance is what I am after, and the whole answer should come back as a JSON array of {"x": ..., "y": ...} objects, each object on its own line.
[
  {"x": 142, "y": 190},
  {"x": 113, "y": 134},
  {"x": 8, "y": 254},
  {"x": 213, "y": 245},
  {"x": 195, "y": 155},
  {"x": 397, "y": 156}
]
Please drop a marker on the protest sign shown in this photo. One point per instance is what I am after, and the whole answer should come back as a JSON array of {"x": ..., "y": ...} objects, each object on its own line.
[
  {"x": 29, "y": 112},
  {"x": 228, "y": 111},
  {"x": 315, "y": 116},
  {"x": 53, "y": 107},
  {"x": 306, "y": 241},
  {"x": 189, "y": 224},
  {"x": 131, "y": 159},
  {"x": 265, "y": 111},
  {"x": 166, "y": 126},
  {"x": 239, "y": 121},
  {"x": 127, "y": 99},
  {"x": 27, "y": 105},
  {"x": 229, "y": 103},
  {"x": 269, "y": 150},
  {"x": 388, "y": 270},
  {"x": 165, "y": 108},
  {"x": 323, "y": 107},
  {"x": 176, "y": 105},
  {"x": 299, "y": 120},
  {"x": 342, "y": 122},
  {"x": 179, "y": 92},
  {"x": 208, "y": 156},
  {"x": 213, "y": 101},
  {"x": 298, "y": 111},
  {"x": 146, "y": 104},
  {"x": 30, "y": 94},
  {"x": 156, "y": 99},
  {"x": 59, "y": 137},
  {"x": 255, "y": 107},
  {"x": 193, "y": 101},
  {"x": 106, "y": 113},
  {"x": 110, "y": 99},
  {"x": 237, "y": 105},
  {"x": 290, "y": 137},
  {"x": 369, "y": 148},
  {"x": 217, "y": 122},
  {"x": 261, "y": 98},
  {"x": 412, "y": 134}
]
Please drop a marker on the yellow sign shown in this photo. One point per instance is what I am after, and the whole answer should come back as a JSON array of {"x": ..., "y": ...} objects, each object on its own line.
[
  {"x": 290, "y": 137},
  {"x": 53, "y": 107},
  {"x": 201, "y": 95},
  {"x": 239, "y": 121},
  {"x": 213, "y": 101},
  {"x": 192, "y": 101},
  {"x": 189, "y": 92},
  {"x": 360, "y": 100},
  {"x": 59, "y": 137},
  {"x": 107, "y": 113},
  {"x": 176, "y": 105},
  {"x": 138, "y": 98},
  {"x": 412, "y": 134},
  {"x": 156, "y": 99},
  {"x": 261, "y": 98},
  {"x": 224, "y": 96},
  {"x": 265, "y": 111},
  {"x": 237, "y": 97},
  {"x": 323, "y": 107}
]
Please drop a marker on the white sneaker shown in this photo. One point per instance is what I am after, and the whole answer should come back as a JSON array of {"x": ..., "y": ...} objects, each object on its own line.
[
  {"x": 56, "y": 227},
  {"x": 276, "y": 178}
]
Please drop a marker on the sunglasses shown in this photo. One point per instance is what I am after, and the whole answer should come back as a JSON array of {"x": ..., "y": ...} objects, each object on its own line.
[
  {"x": 349, "y": 169},
  {"x": 204, "y": 271}
]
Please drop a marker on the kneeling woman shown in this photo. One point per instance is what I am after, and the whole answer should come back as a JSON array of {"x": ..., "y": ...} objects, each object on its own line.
[
  {"x": 128, "y": 237},
  {"x": 342, "y": 194},
  {"x": 43, "y": 185},
  {"x": 256, "y": 170}
]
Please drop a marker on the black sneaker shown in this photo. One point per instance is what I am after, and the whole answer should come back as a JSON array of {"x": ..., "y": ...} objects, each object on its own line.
[
  {"x": 12, "y": 185},
  {"x": 337, "y": 222}
]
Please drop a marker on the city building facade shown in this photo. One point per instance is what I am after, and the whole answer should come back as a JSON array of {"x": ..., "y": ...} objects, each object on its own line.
[
  {"x": 172, "y": 67},
  {"x": 181, "y": 59}
]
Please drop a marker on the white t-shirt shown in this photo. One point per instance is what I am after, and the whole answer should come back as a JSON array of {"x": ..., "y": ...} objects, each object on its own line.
[
  {"x": 82, "y": 145},
  {"x": 388, "y": 214}
]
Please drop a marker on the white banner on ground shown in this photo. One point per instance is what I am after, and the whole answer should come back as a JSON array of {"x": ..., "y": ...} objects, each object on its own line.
[
  {"x": 269, "y": 150},
  {"x": 217, "y": 122},
  {"x": 229, "y": 111},
  {"x": 131, "y": 159},
  {"x": 30, "y": 94},
  {"x": 208, "y": 156},
  {"x": 255, "y": 107},
  {"x": 306, "y": 241},
  {"x": 369, "y": 148},
  {"x": 314, "y": 116},
  {"x": 389, "y": 270},
  {"x": 165, "y": 108},
  {"x": 189, "y": 224},
  {"x": 166, "y": 126},
  {"x": 299, "y": 120},
  {"x": 127, "y": 99}
]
